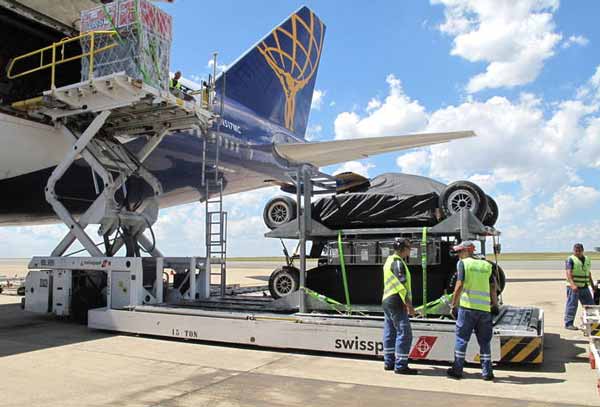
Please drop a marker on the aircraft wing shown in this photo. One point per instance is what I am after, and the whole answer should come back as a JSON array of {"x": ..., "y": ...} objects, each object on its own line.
[{"x": 325, "y": 153}]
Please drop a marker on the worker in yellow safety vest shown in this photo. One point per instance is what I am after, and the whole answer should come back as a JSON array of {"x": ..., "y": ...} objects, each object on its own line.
[
  {"x": 579, "y": 281},
  {"x": 397, "y": 307},
  {"x": 174, "y": 81},
  {"x": 475, "y": 294}
]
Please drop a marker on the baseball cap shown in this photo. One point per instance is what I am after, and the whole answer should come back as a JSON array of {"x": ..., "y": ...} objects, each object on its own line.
[{"x": 464, "y": 245}]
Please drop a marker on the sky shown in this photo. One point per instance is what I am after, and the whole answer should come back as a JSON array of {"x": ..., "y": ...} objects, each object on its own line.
[{"x": 525, "y": 76}]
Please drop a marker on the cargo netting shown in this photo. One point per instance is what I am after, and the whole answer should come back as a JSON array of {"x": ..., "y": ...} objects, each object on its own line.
[{"x": 144, "y": 35}]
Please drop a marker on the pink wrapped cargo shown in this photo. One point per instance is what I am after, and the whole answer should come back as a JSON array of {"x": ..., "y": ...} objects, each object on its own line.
[{"x": 145, "y": 34}]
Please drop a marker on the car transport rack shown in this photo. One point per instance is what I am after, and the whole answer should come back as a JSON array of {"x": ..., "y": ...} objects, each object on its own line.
[{"x": 138, "y": 301}]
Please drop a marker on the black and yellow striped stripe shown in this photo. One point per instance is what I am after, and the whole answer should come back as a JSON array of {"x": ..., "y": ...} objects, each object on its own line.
[
  {"x": 521, "y": 349},
  {"x": 595, "y": 329}
]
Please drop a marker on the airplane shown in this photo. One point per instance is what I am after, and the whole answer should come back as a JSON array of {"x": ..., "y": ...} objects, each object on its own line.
[{"x": 264, "y": 99}]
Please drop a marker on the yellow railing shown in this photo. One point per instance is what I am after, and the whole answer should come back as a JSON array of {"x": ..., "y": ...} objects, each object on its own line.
[{"x": 61, "y": 60}]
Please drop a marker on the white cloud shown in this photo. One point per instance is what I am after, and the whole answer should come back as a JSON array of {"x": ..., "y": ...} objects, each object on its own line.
[
  {"x": 220, "y": 67},
  {"x": 516, "y": 142},
  {"x": 519, "y": 142},
  {"x": 514, "y": 38},
  {"x": 313, "y": 132},
  {"x": 588, "y": 147},
  {"x": 415, "y": 162},
  {"x": 566, "y": 235},
  {"x": 180, "y": 230},
  {"x": 317, "y": 99},
  {"x": 590, "y": 91},
  {"x": 512, "y": 208},
  {"x": 396, "y": 115},
  {"x": 487, "y": 182},
  {"x": 355, "y": 166},
  {"x": 332, "y": 103},
  {"x": 568, "y": 200},
  {"x": 575, "y": 40},
  {"x": 373, "y": 104}
]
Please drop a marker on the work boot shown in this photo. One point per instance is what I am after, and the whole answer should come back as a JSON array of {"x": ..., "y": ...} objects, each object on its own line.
[
  {"x": 571, "y": 328},
  {"x": 406, "y": 370},
  {"x": 453, "y": 374},
  {"x": 388, "y": 367},
  {"x": 488, "y": 377}
]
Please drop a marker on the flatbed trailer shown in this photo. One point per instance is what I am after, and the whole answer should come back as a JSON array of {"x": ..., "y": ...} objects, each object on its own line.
[{"x": 263, "y": 322}]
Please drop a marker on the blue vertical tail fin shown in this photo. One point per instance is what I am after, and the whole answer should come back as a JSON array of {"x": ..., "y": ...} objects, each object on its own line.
[{"x": 276, "y": 78}]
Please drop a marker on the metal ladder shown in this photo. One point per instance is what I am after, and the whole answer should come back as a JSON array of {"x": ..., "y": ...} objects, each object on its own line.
[{"x": 215, "y": 216}]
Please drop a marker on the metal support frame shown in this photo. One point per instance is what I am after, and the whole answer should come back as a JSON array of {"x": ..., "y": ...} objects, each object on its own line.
[
  {"x": 104, "y": 210},
  {"x": 306, "y": 178}
]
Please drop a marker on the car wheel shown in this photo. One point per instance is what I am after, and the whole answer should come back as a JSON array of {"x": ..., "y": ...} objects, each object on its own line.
[
  {"x": 284, "y": 281},
  {"x": 463, "y": 195},
  {"x": 491, "y": 217},
  {"x": 279, "y": 211}
]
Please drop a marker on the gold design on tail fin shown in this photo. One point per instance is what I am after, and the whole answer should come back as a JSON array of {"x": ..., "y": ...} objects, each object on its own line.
[{"x": 291, "y": 75}]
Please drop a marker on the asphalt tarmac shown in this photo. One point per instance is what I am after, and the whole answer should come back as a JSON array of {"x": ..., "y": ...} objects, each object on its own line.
[{"x": 45, "y": 361}]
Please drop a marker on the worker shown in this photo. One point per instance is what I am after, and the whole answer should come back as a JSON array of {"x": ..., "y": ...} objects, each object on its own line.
[
  {"x": 579, "y": 280},
  {"x": 174, "y": 82},
  {"x": 473, "y": 300},
  {"x": 205, "y": 94},
  {"x": 397, "y": 306}
]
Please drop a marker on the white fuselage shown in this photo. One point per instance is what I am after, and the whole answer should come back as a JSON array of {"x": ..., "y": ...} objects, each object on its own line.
[{"x": 27, "y": 146}]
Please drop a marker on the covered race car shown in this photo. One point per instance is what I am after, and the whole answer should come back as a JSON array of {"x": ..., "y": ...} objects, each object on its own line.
[{"x": 388, "y": 200}]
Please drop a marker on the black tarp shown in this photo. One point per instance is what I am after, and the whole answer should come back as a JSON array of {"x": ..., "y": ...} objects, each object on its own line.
[{"x": 391, "y": 200}]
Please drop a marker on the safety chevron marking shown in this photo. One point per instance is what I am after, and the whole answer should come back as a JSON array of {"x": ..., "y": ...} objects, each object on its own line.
[
  {"x": 520, "y": 349},
  {"x": 595, "y": 329}
]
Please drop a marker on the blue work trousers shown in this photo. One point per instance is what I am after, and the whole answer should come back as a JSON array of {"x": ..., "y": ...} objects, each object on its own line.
[
  {"x": 582, "y": 295},
  {"x": 397, "y": 337},
  {"x": 480, "y": 321}
]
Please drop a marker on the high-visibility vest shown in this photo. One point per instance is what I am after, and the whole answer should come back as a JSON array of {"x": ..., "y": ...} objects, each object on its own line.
[
  {"x": 476, "y": 287},
  {"x": 173, "y": 84},
  {"x": 581, "y": 271},
  {"x": 391, "y": 284}
]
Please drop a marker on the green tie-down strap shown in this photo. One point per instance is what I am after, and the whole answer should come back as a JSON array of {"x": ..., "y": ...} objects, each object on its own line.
[
  {"x": 122, "y": 41},
  {"x": 343, "y": 267},
  {"x": 441, "y": 306},
  {"x": 424, "y": 268},
  {"x": 333, "y": 304}
]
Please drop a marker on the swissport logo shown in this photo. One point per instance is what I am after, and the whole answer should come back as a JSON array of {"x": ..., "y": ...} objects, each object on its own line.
[{"x": 422, "y": 347}]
